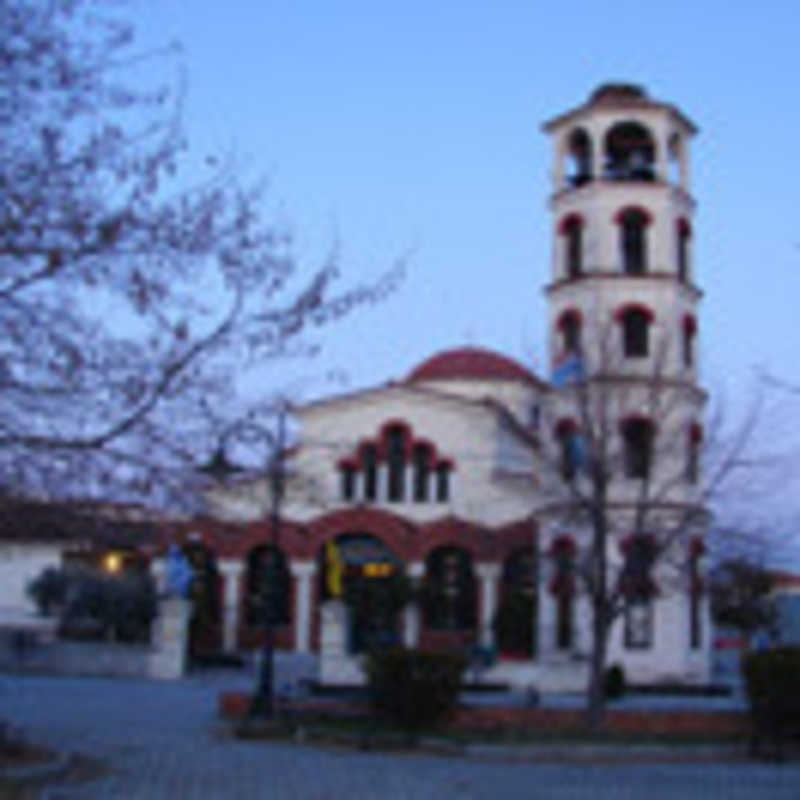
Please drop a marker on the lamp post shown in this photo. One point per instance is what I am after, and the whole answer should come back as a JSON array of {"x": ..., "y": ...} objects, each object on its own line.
[{"x": 219, "y": 468}]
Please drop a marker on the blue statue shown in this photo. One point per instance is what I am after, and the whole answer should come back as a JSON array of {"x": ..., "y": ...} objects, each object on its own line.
[{"x": 179, "y": 573}]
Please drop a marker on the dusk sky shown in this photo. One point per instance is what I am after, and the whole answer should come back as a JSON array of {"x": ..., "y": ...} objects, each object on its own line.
[{"x": 416, "y": 126}]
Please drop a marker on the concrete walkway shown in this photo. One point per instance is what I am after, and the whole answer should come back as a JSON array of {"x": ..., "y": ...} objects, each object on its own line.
[{"x": 163, "y": 741}]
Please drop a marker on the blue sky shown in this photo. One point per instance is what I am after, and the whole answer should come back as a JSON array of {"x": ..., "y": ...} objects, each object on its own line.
[
  {"x": 416, "y": 125},
  {"x": 390, "y": 126}
]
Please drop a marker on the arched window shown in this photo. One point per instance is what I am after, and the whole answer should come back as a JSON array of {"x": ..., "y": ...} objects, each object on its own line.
[
  {"x": 693, "y": 444},
  {"x": 396, "y": 456},
  {"x": 635, "y": 322},
  {"x": 689, "y": 332},
  {"x": 629, "y": 153},
  {"x": 579, "y": 158},
  {"x": 369, "y": 463},
  {"x": 422, "y": 472},
  {"x": 562, "y": 586},
  {"x": 267, "y": 587},
  {"x": 638, "y": 435},
  {"x": 204, "y": 625},
  {"x": 443, "y": 481},
  {"x": 569, "y": 323},
  {"x": 638, "y": 588},
  {"x": 572, "y": 230},
  {"x": 347, "y": 472},
  {"x": 683, "y": 234},
  {"x": 633, "y": 224},
  {"x": 449, "y": 592},
  {"x": 570, "y": 448},
  {"x": 515, "y": 622},
  {"x": 638, "y": 623},
  {"x": 696, "y": 552}
]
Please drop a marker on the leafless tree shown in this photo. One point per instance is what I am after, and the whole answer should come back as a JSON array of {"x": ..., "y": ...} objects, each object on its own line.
[
  {"x": 628, "y": 475},
  {"x": 129, "y": 297}
]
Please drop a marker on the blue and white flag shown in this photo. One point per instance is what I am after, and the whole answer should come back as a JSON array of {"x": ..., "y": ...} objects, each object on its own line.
[
  {"x": 567, "y": 369},
  {"x": 576, "y": 450}
]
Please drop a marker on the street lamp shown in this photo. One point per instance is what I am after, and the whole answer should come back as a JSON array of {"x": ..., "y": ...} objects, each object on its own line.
[{"x": 220, "y": 469}]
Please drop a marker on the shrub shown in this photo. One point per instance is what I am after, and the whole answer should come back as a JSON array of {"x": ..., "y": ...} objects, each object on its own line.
[
  {"x": 414, "y": 689},
  {"x": 615, "y": 682},
  {"x": 93, "y": 605},
  {"x": 49, "y": 590},
  {"x": 771, "y": 682}
]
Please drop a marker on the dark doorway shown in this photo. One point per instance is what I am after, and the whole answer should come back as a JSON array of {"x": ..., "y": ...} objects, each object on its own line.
[{"x": 362, "y": 570}]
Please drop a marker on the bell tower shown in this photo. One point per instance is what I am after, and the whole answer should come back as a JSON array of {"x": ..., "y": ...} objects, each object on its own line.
[
  {"x": 623, "y": 296},
  {"x": 623, "y": 328}
]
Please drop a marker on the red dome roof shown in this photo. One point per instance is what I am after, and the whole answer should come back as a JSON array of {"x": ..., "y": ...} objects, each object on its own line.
[{"x": 471, "y": 362}]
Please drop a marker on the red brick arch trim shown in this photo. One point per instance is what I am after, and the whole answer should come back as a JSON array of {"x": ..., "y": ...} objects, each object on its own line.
[
  {"x": 568, "y": 314},
  {"x": 388, "y": 426},
  {"x": 623, "y": 311},
  {"x": 564, "y": 427},
  {"x": 689, "y": 324},
  {"x": 633, "y": 419},
  {"x": 398, "y": 534},
  {"x": 454, "y": 532},
  {"x": 570, "y": 221},
  {"x": 619, "y": 217},
  {"x": 380, "y": 443}
]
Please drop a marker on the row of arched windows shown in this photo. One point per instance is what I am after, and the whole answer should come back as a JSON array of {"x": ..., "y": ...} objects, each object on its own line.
[
  {"x": 633, "y": 223},
  {"x": 635, "y": 320},
  {"x": 427, "y": 480},
  {"x": 638, "y": 435}
]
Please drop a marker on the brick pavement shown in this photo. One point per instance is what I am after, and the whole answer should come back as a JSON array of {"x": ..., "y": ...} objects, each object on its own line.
[{"x": 163, "y": 741}]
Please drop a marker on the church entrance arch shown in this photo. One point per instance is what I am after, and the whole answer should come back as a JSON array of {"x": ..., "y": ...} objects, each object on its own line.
[{"x": 359, "y": 569}]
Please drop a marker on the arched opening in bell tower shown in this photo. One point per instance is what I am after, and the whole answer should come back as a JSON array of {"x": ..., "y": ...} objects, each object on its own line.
[
  {"x": 578, "y": 166},
  {"x": 674, "y": 160},
  {"x": 629, "y": 153}
]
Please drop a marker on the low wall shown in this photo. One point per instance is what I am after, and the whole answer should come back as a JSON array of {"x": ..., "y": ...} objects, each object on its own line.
[
  {"x": 61, "y": 657},
  {"x": 696, "y": 723}
]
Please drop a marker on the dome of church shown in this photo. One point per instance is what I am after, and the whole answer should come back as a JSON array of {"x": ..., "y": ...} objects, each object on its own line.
[{"x": 470, "y": 363}]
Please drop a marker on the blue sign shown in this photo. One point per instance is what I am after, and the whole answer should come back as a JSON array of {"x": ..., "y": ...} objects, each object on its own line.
[{"x": 568, "y": 369}]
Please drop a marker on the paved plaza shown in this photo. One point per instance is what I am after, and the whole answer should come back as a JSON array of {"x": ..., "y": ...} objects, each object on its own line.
[{"x": 163, "y": 740}]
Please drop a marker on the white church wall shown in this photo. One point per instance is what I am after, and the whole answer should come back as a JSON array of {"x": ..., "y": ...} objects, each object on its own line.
[{"x": 19, "y": 565}]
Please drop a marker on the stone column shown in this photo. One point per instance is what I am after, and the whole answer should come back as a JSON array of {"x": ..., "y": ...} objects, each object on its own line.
[
  {"x": 661, "y": 164},
  {"x": 158, "y": 570},
  {"x": 546, "y": 606},
  {"x": 231, "y": 572},
  {"x": 415, "y": 570},
  {"x": 169, "y": 639},
  {"x": 302, "y": 572},
  {"x": 489, "y": 576}
]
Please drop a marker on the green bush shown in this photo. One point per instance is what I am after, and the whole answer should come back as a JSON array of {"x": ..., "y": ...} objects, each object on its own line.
[
  {"x": 49, "y": 590},
  {"x": 771, "y": 679},
  {"x": 93, "y": 605},
  {"x": 615, "y": 682},
  {"x": 414, "y": 689}
]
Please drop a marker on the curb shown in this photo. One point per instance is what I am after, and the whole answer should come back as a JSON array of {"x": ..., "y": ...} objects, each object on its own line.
[
  {"x": 607, "y": 753},
  {"x": 38, "y": 772}
]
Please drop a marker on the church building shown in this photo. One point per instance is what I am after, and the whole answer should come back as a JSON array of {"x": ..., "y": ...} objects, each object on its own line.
[{"x": 442, "y": 509}]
